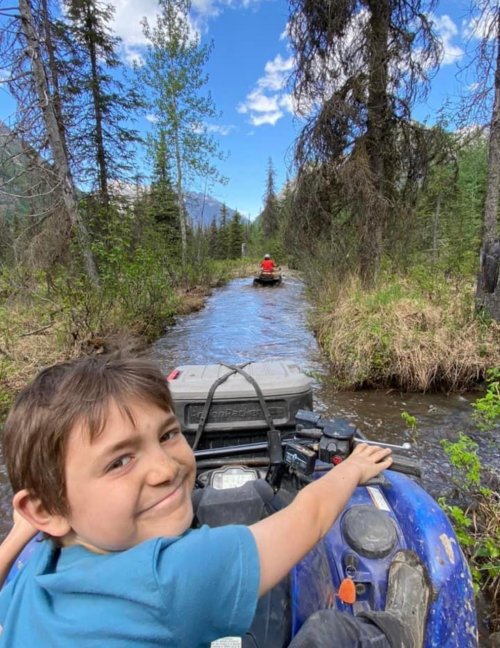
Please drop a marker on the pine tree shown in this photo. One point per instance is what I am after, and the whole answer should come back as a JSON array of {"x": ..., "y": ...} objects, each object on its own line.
[
  {"x": 212, "y": 238},
  {"x": 173, "y": 72},
  {"x": 236, "y": 234},
  {"x": 223, "y": 235},
  {"x": 270, "y": 213},
  {"x": 102, "y": 139},
  {"x": 163, "y": 198}
]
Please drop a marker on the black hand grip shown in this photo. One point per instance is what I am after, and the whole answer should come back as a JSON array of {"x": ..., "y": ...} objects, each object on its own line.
[{"x": 406, "y": 465}]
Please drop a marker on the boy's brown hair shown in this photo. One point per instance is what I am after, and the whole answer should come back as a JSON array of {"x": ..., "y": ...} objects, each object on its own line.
[{"x": 45, "y": 412}]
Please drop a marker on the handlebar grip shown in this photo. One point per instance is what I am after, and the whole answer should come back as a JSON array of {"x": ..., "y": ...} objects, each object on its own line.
[{"x": 406, "y": 465}]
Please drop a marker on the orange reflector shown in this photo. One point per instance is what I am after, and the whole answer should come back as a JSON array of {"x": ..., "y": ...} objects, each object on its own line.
[
  {"x": 173, "y": 374},
  {"x": 347, "y": 591}
]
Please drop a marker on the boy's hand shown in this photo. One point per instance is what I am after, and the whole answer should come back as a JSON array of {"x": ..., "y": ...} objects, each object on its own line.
[
  {"x": 19, "y": 535},
  {"x": 286, "y": 536},
  {"x": 370, "y": 460}
]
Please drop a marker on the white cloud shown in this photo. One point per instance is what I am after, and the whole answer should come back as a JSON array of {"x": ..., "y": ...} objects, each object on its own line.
[
  {"x": 132, "y": 57},
  {"x": 267, "y": 102},
  {"x": 258, "y": 102},
  {"x": 211, "y": 8},
  {"x": 128, "y": 16},
  {"x": 270, "y": 117},
  {"x": 277, "y": 72},
  {"x": 152, "y": 118},
  {"x": 220, "y": 129},
  {"x": 207, "y": 8},
  {"x": 447, "y": 31},
  {"x": 286, "y": 102},
  {"x": 481, "y": 26}
]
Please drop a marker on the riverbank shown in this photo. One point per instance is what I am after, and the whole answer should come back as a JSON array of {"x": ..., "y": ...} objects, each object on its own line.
[
  {"x": 414, "y": 333},
  {"x": 42, "y": 323}
]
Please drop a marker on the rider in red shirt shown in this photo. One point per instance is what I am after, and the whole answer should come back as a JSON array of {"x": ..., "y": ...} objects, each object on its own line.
[{"x": 267, "y": 264}]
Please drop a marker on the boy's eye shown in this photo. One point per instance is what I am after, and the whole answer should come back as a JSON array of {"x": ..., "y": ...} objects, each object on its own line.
[
  {"x": 119, "y": 463},
  {"x": 170, "y": 434}
]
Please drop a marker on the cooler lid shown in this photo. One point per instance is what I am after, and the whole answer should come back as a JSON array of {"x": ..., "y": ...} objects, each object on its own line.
[{"x": 275, "y": 378}]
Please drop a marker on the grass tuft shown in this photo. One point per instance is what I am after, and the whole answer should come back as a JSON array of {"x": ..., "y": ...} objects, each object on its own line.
[{"x": 405, "y": 333}]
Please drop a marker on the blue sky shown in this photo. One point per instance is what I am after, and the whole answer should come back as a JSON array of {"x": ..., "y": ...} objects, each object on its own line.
[{"x": 247, "y": 71}]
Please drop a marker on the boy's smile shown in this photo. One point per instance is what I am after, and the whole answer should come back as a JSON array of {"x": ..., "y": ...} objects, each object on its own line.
[{"x": 131, "y": 483}]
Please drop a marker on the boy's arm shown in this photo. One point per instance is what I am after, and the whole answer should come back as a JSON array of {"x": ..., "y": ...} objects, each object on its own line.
[
  {"x": 285, "y": 537},
  {"x": 19, "y": 535}
]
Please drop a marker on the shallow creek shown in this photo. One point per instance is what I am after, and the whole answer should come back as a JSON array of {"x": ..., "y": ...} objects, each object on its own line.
[{"x": 241, "y": 322}]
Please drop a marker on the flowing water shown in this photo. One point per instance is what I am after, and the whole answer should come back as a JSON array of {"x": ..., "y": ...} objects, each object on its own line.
[{"x": 241, "y": 322}]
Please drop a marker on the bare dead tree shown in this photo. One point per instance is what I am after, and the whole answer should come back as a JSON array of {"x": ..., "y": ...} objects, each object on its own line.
[{"x": 32, "y": 81}]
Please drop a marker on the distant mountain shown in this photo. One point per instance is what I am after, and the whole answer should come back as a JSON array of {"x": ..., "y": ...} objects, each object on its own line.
[{"x": 202, "y": 209}]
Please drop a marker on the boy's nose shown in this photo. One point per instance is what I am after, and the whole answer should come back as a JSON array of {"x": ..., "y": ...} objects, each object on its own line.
[{"x": 161, "y": 467}]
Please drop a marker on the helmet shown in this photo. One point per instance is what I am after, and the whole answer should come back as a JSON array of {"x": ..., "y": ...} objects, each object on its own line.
[{"x": 267, "y": 256}]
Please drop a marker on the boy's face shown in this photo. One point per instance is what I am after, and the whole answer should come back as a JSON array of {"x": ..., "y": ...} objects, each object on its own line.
[{"x": 131, "y": 483}]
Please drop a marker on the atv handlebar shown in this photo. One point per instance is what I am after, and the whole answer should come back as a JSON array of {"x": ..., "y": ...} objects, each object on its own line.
[
  {"x": 329, "y": 440},
  {"x": 337, "y": 439},
  {"x": 400, "y": 462}
]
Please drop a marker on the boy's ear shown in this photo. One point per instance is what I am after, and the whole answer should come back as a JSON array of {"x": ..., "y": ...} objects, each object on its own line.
[{"x": 32, "y": 509}]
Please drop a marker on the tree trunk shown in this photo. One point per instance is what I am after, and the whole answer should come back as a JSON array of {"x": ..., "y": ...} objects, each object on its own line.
[
  {"x": 180, "y": 199},
  {"x": 488, "y": 285},
  {"x": 377, "y": 139},
  {"x": 435, "y": 227},
  {"x": 53, "y": 71},
  {"x": 96, "y": 99},
  {"x": 56, "y": 139}
]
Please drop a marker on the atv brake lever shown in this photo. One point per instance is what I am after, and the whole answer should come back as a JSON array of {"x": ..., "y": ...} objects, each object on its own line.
[{"x": 405, "y": 446}]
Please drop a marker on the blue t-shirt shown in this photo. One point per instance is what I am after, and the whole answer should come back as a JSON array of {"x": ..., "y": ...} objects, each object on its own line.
[{"x": 180, "y": 592}]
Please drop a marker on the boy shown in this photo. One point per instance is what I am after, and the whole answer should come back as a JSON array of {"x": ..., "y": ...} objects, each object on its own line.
[{"x": 99, "y": 465}]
